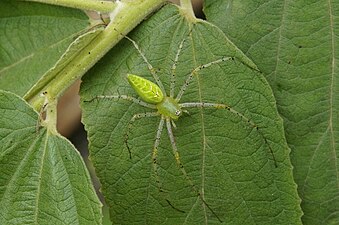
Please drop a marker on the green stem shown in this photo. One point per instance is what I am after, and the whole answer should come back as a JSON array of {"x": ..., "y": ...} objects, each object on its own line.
[
  {"x": 124, "y": 18},
  {"x": 100, "y": 6},
  {"x": 51, "y": 114},
  {"x": 187, "y": 9}
]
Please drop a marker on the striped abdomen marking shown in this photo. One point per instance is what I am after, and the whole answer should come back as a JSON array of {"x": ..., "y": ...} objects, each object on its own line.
[{"x": 147, "y": 90}]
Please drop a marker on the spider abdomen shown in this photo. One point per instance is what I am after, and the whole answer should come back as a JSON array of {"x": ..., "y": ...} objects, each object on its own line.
[{"x": 147, "y": 90}]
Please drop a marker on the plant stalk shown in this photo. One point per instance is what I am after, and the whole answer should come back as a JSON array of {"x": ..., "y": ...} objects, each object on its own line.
[
  {"x": 100, "y": 6},
  {"x": 187, "y": 9},
  {"x": 124, "y": 18},
  {"x": 51, "y": 114}
]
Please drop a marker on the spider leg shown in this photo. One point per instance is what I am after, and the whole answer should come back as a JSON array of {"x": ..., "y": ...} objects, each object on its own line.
[
  {"x": 150, "y": 67},
  {"x": 130, "y": 123},
  {"x": 173, "y": 124},
  {"x": 229, "y": 108},
  {"x": 155, "y": 152},
  {"x": 182, "y": 169},
  {"x": 174, "y": 67},
  {"x": 194, "y": 71},
  {"x": 124, "y": 97},
  {"x": 155, "y": 161}
]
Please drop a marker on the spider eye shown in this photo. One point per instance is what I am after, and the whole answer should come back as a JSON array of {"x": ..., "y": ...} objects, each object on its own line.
[{"x": 178, "y": 112}]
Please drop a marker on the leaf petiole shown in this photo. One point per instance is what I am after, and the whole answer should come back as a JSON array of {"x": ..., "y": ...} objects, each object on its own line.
[
  {"x": 51, "y": 113},
  {"x": 187, "y": 9}
]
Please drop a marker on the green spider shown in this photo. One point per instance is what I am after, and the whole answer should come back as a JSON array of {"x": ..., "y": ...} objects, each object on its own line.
[{"x": 169, "y": 109}]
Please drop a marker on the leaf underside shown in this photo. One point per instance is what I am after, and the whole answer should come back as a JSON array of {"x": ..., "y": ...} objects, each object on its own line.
[
  {"x": 226, "y": 158},
  {"x": 33, "y": 37},
  {"x": 43, "y": 178},
  {"x": 295, "y": 45}
]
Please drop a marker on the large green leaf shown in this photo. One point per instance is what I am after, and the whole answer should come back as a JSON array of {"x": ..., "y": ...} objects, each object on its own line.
[
  {"x": 33, "y": 37},
  {"x": 226, "y": 158},
  {"x": 43, "y": 178},
  {"x": 295, "y": 44}
]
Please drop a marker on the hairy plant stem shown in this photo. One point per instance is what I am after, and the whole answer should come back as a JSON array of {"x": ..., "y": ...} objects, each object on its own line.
[
  {"x": 124, "y": 18},
  {"x": 100, "y": 6},
  {"x": 187, "y": 9}
]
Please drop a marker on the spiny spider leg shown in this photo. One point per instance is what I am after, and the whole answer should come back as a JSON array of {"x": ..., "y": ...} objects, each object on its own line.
[
  {"x": 155, "y": 161},
  {"x": 223, "y": 106},
  {"x": 174, "y": 66},
  {"x": 124, "y": 97},
  {"x": 130, "y": 123},
  {"x": 150, "y": 67},
  {"x": 155, "y": 152},
  {"x": 182, "y": 169},
  {"x": 195, "y": 70}
]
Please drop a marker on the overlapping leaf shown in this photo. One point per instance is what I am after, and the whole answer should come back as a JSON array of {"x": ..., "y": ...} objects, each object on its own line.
[
  {"x": 295, "y": 44},
  {"x": 33, "y": 37},
  {"x": 227, "y": 159},
  {"x": 43, "y": 178}
]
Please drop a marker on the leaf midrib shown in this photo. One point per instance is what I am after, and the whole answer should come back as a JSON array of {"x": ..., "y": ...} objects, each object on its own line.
[
  {"x": 282, "y": 23},
  {"x": 19, "y": 168},
  {"x": 203, "y": 135},
  {"x": 332, "y": 135},
  {"x": 37, "y": 200}
]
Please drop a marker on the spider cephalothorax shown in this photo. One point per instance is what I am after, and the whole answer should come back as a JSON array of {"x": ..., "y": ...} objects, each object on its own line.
[{"x": 151, "y": 93}]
